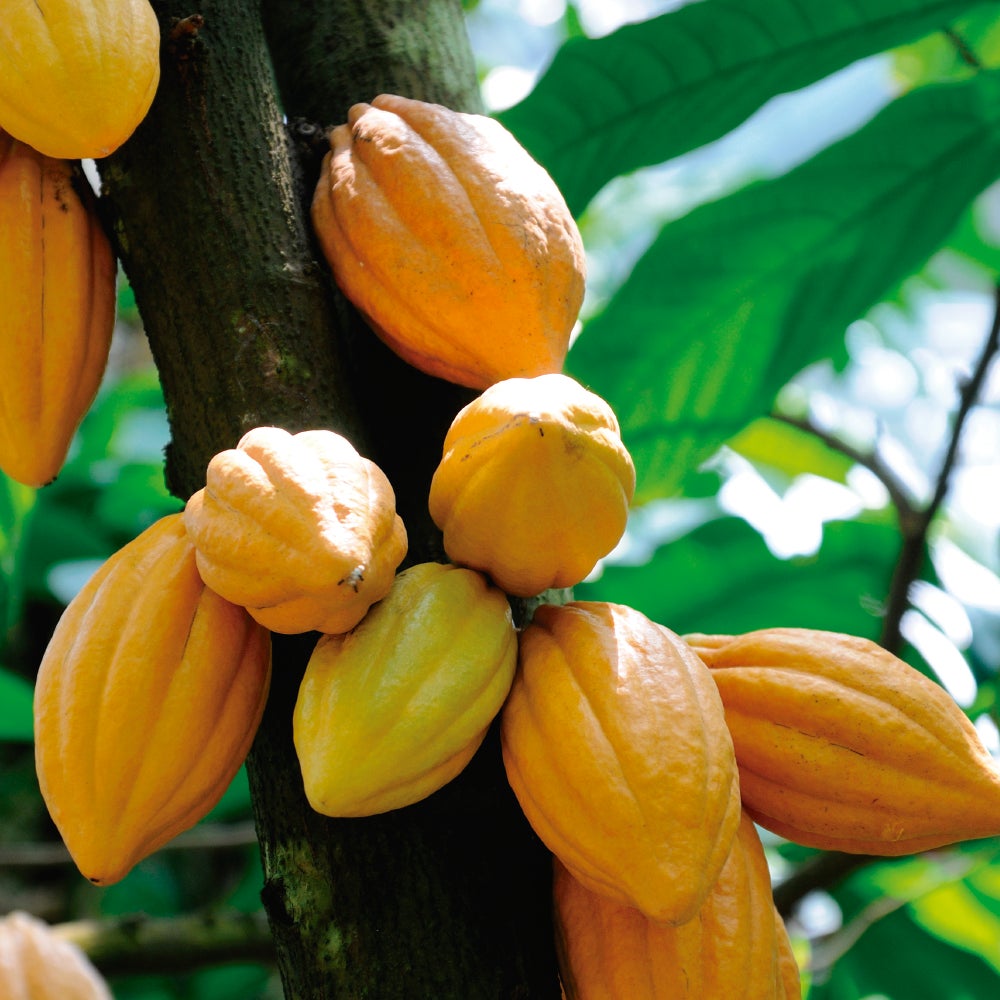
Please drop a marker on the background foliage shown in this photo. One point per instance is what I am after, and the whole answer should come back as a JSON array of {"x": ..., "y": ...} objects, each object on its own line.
[{"x": 794, "y": 239}]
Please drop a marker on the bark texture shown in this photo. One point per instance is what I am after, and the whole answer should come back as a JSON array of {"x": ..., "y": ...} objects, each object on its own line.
[{"x": 208, "y": 205}]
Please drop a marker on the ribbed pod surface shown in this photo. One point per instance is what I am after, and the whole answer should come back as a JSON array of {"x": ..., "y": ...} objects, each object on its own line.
[
  {"x": 77, "y": 76},
  {"x": 534, "y": 484},
  {"x": 843, "y": 746},
  {"x": 57, "y": 286},
  {"x": 390, "y": 712},
  {"x": 297, "y": 528},
  {"x": 729, "y": 951},
  {"x": 147, "y": 700},
  {"x": 615, "y": 744},
  {"x": 453, "y": 242}
]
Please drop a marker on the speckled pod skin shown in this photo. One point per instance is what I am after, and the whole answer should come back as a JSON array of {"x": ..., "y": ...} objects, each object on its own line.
[
  {"x": 455, "y": 245},
  {"x": 534, "y": 484},
  {"x": 845, "y": 747}
]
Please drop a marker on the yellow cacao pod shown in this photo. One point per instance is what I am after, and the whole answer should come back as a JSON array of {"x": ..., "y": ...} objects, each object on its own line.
[
  {"x": 455, "y": 245},
  {"x": 297, "y": 528},
  {"x": 728, "y": 951},
  {"x": 147, "y": 700},
  {"x": 843, "y": 746},
  {"x": 391, "y": 712},
  {"x": 36, "y": 965},
  {"x": 57, "y": 286},
  {"x": 616, "y": 746},
  {"x": 534, "y": 484},
  {"x": 77, "y": 76}
]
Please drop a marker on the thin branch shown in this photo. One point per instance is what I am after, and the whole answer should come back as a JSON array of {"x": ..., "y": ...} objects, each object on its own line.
[
  {"x": 170, "y": 945},
  {"x": 209, "y": 837},
  {"x": 869, "y": 460},
  {"x": 915, "y": 531},
  {"x": 826, "y": 870}
]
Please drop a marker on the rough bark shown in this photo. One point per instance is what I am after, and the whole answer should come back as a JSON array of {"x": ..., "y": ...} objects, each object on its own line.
[{"x": 448, "y": 898}]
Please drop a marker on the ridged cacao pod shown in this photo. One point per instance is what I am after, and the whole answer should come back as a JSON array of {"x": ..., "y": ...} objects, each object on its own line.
[
  {"x": 455, "y": 245},
  {"x": 534, "y": 485},
  {"x": 728, "y": 951},
  {"x": 147, "y": 700},
  {"x": 788, "y": 966},
  {"x": 36, "y": 965},
  {"x": 392, "y": 711},
  {"x": 57, "y": 286},
  {"x": 297, "y": 528},
  {"x": 77, "y": 76},
  {"x": 616, "y": 746},
  {"x": 845, "y": 747}
]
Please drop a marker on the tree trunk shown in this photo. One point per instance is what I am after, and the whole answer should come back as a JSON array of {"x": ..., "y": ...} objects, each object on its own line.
[{"x": 208, "y": 203}]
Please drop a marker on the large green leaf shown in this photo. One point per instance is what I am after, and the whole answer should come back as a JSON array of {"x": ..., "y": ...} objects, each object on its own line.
[
  {"x": 653, "y": 90},
  {"x": 721, "y": 578},
  {"x": 736, "y": 297}
]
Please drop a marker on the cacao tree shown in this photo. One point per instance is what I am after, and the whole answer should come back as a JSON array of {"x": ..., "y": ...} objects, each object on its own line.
[{"x": 705, "y": 342}]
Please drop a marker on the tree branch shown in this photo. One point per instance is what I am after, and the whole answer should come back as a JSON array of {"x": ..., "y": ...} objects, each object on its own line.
[
  {"x": 825, "y": 870},
  {"x": 170, "y": 945}
]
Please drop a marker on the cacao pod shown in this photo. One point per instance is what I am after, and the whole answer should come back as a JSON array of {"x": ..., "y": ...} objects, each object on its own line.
[
  {"x": 534, "y": 485},
  {"x": 392, "y": 711},
  {"x": 788, "y": 967},
  {"x": 77, "y": 76},
  {"x": 845, "y": 747},
  {"x": 147, "y": 700},
  {"x": 297, "y": 528},
  {"x": 37, "y": 965},
  {"x": 728, "y": 951},
  {"x": 454, "y": 244},
  {"x": 616, "y": 746},
  {"x": 57, "y": 286}
]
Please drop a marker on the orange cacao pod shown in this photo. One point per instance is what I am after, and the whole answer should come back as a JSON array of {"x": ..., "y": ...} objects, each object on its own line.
[
  {"x": 455, "y": 245},
  {"x": 77, "y": 76},
  {"x": 57, "y": 286},
  {"x": 534, "y": 485},
  {"x": 297, "y": 528},
  {"x": 729, "y": 951},
  {"x": 788, "y": 966},
  {"x": 147, "y": 700},
  {"x": 616, "y": 746},
  {"x": 35, "y": 964},
  {"x": 843, "y": 746},
  {"x": 395, "y": 709}
]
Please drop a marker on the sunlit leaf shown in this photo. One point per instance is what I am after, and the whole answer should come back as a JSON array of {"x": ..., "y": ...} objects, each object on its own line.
[
  {"x": 739, "y": 295},
  {"x": 721, "y": 578},
  {"x": 650, "y": 91}
]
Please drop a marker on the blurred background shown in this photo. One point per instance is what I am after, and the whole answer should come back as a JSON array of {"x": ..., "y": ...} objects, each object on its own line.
[{"x": 798, "y": 515}]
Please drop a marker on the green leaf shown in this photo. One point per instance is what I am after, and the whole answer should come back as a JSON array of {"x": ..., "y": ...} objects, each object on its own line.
[
  {"x": 651, "y": 91},
  {"x": 721, "y": 578},
  {"x": 16, "y": 719},
  {"x": 787, "y": 449},
  {"x": 736, "y": 297}
]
